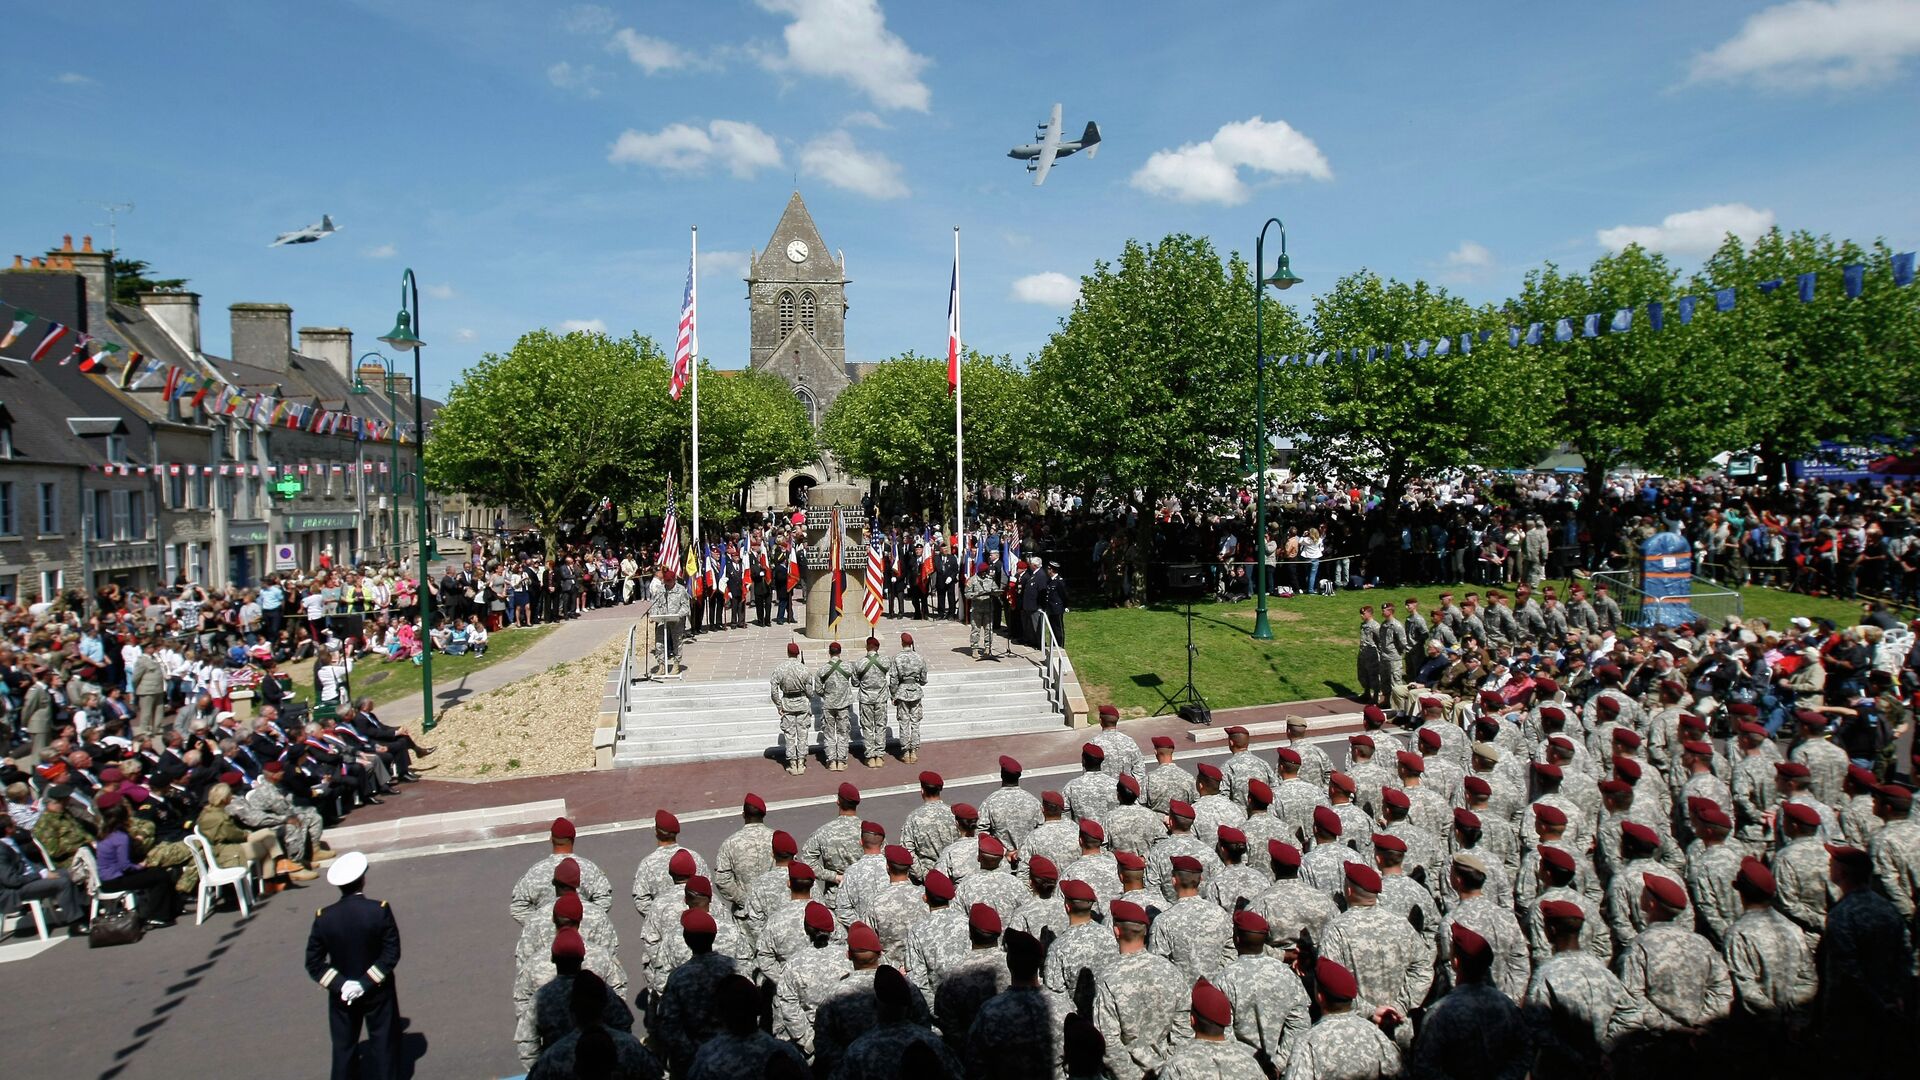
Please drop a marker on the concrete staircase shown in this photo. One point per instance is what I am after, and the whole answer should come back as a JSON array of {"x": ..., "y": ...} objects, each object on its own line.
[{"x": 677, "y": 722}]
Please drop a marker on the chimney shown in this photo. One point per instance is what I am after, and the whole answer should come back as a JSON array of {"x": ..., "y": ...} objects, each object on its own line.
[
  {"x": 178, "y": 313},
  {"x": 262, "y": 335},
  {"x": 331, "y": 344},
  {"x": 96, "y": 270},
  {"x": 402, "y": 384}
]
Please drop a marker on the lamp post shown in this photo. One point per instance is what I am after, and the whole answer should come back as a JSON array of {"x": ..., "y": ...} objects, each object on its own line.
[
  {"x": 1282, "y": 278},
  {"x": 393, "y": 440},
  {"x": 405, "y": 336}
]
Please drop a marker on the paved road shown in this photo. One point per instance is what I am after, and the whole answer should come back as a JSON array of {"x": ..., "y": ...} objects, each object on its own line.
[{"x": 235, "y": 991}]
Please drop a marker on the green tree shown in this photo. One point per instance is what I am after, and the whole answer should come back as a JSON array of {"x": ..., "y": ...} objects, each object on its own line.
[
  {"x": 1835, "y": 369},
  {"x": 1402, "y": 415},
  {"x": 555, "y": 425},
  {"x": 751, "y": 426},
  {"x": 130, "y": 280}
]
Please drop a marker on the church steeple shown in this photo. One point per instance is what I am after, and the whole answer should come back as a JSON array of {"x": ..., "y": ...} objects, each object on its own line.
[{"x": 797, "y": 307}]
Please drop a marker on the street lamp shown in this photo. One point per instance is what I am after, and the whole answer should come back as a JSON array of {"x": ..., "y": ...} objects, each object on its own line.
[
  {"x": 393, "y": 439},
  {"x": 405, "y": 336},
  {"x": 1283, "y": 278}
]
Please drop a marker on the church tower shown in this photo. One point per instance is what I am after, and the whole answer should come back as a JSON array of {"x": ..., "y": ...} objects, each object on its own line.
[{"x": 797, "y": 310}]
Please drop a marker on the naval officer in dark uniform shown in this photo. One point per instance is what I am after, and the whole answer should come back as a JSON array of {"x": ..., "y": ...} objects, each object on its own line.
[{"x": 351, "y": 952}]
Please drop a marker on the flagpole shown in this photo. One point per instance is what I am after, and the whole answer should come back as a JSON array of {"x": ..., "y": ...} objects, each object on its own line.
[
  {"x": 959, "y": 439},
  {"x": 693, "y": 274}
]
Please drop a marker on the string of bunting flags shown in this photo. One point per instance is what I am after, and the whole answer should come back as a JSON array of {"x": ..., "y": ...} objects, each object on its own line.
[
  {"x": 208, "y": 393},
  {"x": 1852, "y": 278},
  {"x": 178, "y": 468}
]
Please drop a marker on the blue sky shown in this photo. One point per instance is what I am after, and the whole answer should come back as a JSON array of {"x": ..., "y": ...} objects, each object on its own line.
[{"x": 539, "y": 164}]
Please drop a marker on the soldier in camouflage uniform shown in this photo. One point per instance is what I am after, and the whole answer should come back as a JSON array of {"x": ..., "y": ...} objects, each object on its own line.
[
  {"x": 793, "y": 689},
  {"x": 1241, "y": 766},
  {"x": 1292, "y": 907},
  {"x": 874, "y": 681},
  {"x": 268, "y": 805},
  {"x": 1866, "y": 964},
  {"x": 1212, "y": 1052},
  {"x": 1493, "y": 923},
  {"x": 1263, "y": 824},
  {"x": 570, "y": 1007},
  {"x": 849, "y": 1008},
  {"x": 1626, "y": 914},
  {"x": 961, "y": 857},
  {"x": 665, "y": 945},
  {"x": 893, "y": 910},
  {"x": 1095, "y": 865},
  {"x": 1553, "y": 872},
  {"x": 782, "y": 933},
  {"x": 908, "y": 682},
  {"x": 1166, "y": 782},
  {"x": 901, "y": 1044},
  {"x": 61, "y": 833},
  {"x": 867, "y": 874},
  {"x": 1381, "y": 948},
  {"x": 1677, "y": 981},
  {"x": 980, "y": 593},
  {"x": 1193, "y": 933},
  {"x": 1271, "y": 1012},
  {"x": 1315, "y": 766},
  {"x": 1236, "y": 882},
  {"x": 667, "y": 867},
  {"x": 1712, "y": 866},
  {"x": 1091, "y": 794},
  {"x": 1180, "y": 840},
  {"x": 1368, "y": 659},
  {"x": 1858, "y": 821},
  {"x": 684, "y": 1014},
  {"x": 1042, "y": 911},
  {"x": 1476, "y": 1029},
  {"x": 744, "y": 856},
  {"x": 770, "y": 890},
  {"x": 1017, "y": 1031},
  {"x": 1131, "y": 826},
  {"x": 1010, "y": 812},
  {"x": 1138, "y": 999},
  {"x": 1344, "y": 1044},
  {"x": 1826, "y": 763},
  {"x": 993, "y": 884},
  {"x": 1084, "y": 946},
  {"x": 1767, "y": 956},
  {"x": 536, "y": 938},
  {"x": 1575, "y": 1006},
  {"x": 834, "y": 845},
  {"x": 1403, "y": 895},
  {"x": 535, "y": 889},
  {"x": 741, "y": 1048},
  {"x": 1123, "y": 757},
  {"x": 837, "y": 701},
  {"x": 806, "y": 977},
  {"x": 1295, "y": 798},
  {"x": 1369, "y": 777},
  {"x": 1057, "y": 837},
  {"x": 930, "y": 827},
  {"x": 569, "y": 955},
  {"x": 939, "y": 941},
  {"x": 1213, "y": 809},
  {"x": 1755, "y": 795},
  {"x": 1895, "y": 847},
  {"x": 980, "y": 974}
]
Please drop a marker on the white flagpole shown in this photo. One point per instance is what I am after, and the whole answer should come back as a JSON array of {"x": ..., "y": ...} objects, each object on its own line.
[
  {"x": 959, "y": 439},
  {"x": 693, "y": 271}
]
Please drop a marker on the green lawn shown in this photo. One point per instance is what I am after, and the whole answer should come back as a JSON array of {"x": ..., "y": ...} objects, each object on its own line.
[
  {"x": 384, "y": 682},
  {"x": 1135, "y": 657}
]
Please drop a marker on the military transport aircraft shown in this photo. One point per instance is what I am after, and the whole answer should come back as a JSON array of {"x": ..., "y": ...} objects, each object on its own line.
[
  {"x": 1039, "y": 155},
  {"x": 308, "y": 235}
]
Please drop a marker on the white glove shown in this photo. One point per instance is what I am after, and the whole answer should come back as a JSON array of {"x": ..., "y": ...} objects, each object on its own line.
[{"x": 351, "y": 990}]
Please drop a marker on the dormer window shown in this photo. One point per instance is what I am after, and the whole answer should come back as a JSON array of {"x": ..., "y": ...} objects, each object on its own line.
[{"x": 116, "y": 449}]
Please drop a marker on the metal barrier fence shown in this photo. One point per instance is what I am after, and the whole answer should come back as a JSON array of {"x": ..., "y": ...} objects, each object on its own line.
[{"x": 1708, "y": 600}]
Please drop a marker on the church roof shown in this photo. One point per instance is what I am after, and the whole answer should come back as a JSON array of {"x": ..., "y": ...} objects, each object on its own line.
[{"x": 795, "y": 224}]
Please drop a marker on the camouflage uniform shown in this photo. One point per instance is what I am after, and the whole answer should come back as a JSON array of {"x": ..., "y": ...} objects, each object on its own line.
[
  {"x": 1017, "y": 1033},
  {"x": 1196, "y": 935},
  {"x": 1896, "y": 863},
  {"x": 666, "y": 952},
  {"x": 929, "y": 828},
  {"x": 961, "y": 859},
  {"x": 1771, "y": 965},
  {"x": 1802, "y": 891},
  {"x": 1455, "y": 748},
  {"x": 1087, "y": 947},
  {"x": 684, "y": 1014},
  {"x": 971, "y": 983},
  {"x": 540, "y": 971},
  {"x": 1710, "y": 875},
  {"x": 1754, "y": 795},
  {"x": 794, "y": 688},
  {"x": 1101, "y": 871},
  {"x": 739, "y": 862},
  {"x": 1135, "y": 828},
  {"x": 1040, "y": 914},
  {"x": 536, "y": 937},
  {"x": 1123, "y": 754},
  {"x": 848, "y": 1009},
  {"x": 1213, "y": 811},
  {"x": 804, "y": 983},
  {"x": 160, "y": 856},
  {"x": 1160, "y": 861},
  {"x": 1291, "y": 908},
  {"x": 553, "y": 1011},
  {"x": 62, "y": 835},
  {"x": 651, "y": 878},
  {"x": 1595, "y": 939},
  {"x": 1206, "y": 1059},
  {"x": 908, "y": 681},
  {"x": 1675, "y": 978},
  {"x": 1165, "y": 784},
  {"x": 837, "y": 701},
  {"x": 1260, "y": 827},
  {"x": 1315, "y": 767},
  {"x": 1294, "y": 802},
  {"x": 1857, "y": 823},
  {"x": 831, "y": 849},
  {"x": 727, "y": 1056},
  {"x": 872, "y": 678},
  {"x": 894, "y": 909},
  {"x": 1576, "y": 1008},
  {"x": 877, "y": 1054},
  {"x": 1058, "y": 841},
  {"x": 933, "y": 947},
  {"x": 767, "y": 894},
  {"x": 1089, "y": 796},
  {"x": 1240, "y": 767},
  {"x": 1010, "y": 813},
  {"x": 1624, "y": 915},
  {"x": 782, "y": 938},
  {"x": 1139, "y": 1006},
  {"x": 1391, "y": 963},
  {"x": 1826, "y": 769},
  {"x": 1271, "y": 1012},
  {"x": 1866, "y": 962},
  {"x": 1512, "y": 964},
  {"x": 1344, "y": 1046},
  {"x": 1232, "y": 885},
  {"x": 1476, "y": 1030},
  {"x": 266, "y": 806},
  {"x": 1324, "y": 867},
  {"x": 996, "y": 888},
  {"x": 979, "y": 594},
  {"x": 1403, "y": 896},
  {"x": 534, "y": 891},
  {"x": 866, "y": 877},
  {"x": 630, "y": 1059},
  {"x": 1369, "y": 780}
]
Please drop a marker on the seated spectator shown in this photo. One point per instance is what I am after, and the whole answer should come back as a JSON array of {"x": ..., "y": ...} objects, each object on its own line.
[
  {"x": 236, "y": 845},
  {"x": 121, "y": 870},
  {"x": 477, "y": 636},
  {"x": 23, "y": 877}
]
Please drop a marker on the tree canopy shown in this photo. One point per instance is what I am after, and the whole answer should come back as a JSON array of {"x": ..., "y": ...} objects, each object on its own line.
[{"x": 751, "y": 426}]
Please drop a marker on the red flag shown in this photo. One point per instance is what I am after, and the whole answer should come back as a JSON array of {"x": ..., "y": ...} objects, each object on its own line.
[
  {"x": 953, "y": 324},
  {"x": 870, "y": 606},
  {"x": 793, "y": 566}
]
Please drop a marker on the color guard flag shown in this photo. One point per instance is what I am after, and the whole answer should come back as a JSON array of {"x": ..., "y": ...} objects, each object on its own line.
[
  {"x": 837, "y": 602},
  {"x": 670, "y": 534},
  {"x": 793, "y": 566},
  {"x": 870, "y": 604}
]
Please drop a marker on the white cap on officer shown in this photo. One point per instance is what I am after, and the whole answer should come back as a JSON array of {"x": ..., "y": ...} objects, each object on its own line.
[{"x": 347, "y": 869}]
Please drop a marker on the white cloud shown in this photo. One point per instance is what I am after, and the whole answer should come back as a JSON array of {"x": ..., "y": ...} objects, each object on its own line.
[
  {"x": 73, "y": 78},
  {"x": 743, "y": 148},
  {"x": 465, "y": 335},
  {"x": 849, "y": 40},
  {"x": 577, "y": 79},
  {"x": 441, "y": 292},
  {"x": 723, "y": 264},
  {"x": 833, "y": 157},
  {"x": 1210, "y": 171},
  {"x": 583, "y": 326},
  {"x": 1691, "y": 232},
  {"x": 381, "y": 251},
  {"x": 863, "y": 118},
  {"x": 1806, "y": 44},
  {"x": 650, "y": 54},
  {"x": 587, "y": 19},
  {"x": 1469, "y": 256},
  {"x": 1049, "y": 289}
]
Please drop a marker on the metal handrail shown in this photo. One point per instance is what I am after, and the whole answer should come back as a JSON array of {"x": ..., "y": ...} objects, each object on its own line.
[
  {"x": 1053, "y": 667},
  {"x": 626, "y": 675}
]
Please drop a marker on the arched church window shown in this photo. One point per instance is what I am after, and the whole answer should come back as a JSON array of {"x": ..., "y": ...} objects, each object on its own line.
[
  {"x": 806, "y": 399},
  {"x": 806, "y": 312},
  {"x": 786, "y": 315}
]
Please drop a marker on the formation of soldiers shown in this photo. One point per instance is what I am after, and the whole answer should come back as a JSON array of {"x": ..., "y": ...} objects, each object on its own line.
[
  {"x": 836, "y": 691},
  {"x": 1554, "y": 889}
]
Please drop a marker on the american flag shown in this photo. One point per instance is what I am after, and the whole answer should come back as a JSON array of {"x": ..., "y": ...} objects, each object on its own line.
[
  {"x": 870, "y": 607},
  {"x": 670, "y": 535},
  {"x": 687, "y": 343}
]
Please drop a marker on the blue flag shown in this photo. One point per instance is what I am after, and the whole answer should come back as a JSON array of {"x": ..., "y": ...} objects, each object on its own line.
[
  {"x": 1533, "y": 333},
  {"x": 1686, "y": 309},
  {"x": 1421, "y": 349},
  {"x": 1485, "y": 336},
  {"x": 1767, "y": 287},
  {"x": 1443, "y": 347},
  {"x": 1513, "y": 337},
  {"x": 1854, "y": 277},
  {"x": 1723, "y": 299},
  {"x": 1590, "y": 326},
  {"x": 1656, "y": 315},
  {"x": 1466, "y": 344},
  {"x": 1806, "y": 287},
  {"x": 1563, "y": 330},
  {"x": 1903, "y": 268},
  {"x": 1622, "y": 321},
  {"x": 1371, "y": 350}
]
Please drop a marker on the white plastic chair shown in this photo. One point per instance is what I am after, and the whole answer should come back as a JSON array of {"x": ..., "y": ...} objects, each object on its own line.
[
  {"x": 34, "y": 909},
  {"x": 96, "y": 892},
  {"x": 214, "y": 877}
]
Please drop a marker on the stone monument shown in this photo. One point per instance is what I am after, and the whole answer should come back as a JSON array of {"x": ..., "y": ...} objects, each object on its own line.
[{"x": 822, "y": 500}]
